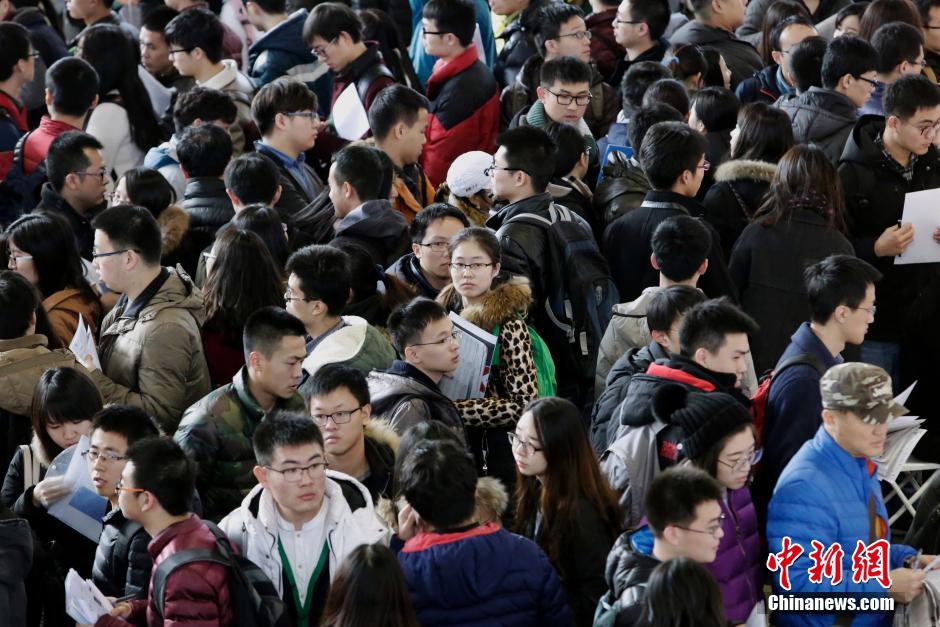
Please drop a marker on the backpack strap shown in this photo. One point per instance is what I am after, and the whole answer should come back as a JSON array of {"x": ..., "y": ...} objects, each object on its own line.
[
  {"x": 804, "y": 359},
  {"x": 20, "y": 148},
  {"x": 31, "y": 467},
  {"x": 177, "y": 560},
  {"x": 370, "y": 75}
]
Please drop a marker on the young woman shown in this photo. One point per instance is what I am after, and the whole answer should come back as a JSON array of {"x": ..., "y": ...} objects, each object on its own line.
[
  {"x": 719, "y": 439},
  {"x": 563, "y": 502},
  {"x": 682, "y": 592},
  {"x": 42, "y": 249},
  {"x": 801, "y": 222},
  {"x": 124, "y": 120},
  {"x": 481, "y": 294},
  {"x": 241, "y": 278},
  {"x": 147, "y": 188},
  {"x": 689, "y": 66},
  {"x": 369, "y": 590}
]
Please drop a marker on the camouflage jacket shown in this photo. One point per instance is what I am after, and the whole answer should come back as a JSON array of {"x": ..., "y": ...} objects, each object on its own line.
[{"x": 216, "y": 432}]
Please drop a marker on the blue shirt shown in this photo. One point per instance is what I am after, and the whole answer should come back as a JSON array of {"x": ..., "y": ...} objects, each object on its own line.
[{"x": 294, "y": 166}]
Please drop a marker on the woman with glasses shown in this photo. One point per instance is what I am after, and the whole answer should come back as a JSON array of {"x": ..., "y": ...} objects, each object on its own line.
[
  {"x": 42, "y": 249},
  {"x": 801, "y": 221},
  {"x": 562, "y": 500},
  {"x": 497, "y": 303},
  {"x": 719, "y": 438}
]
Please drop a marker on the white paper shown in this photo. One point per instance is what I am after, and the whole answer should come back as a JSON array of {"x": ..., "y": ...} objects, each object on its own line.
[
  {"x": 83, "y": 344},
  {"x": 922, "y": 211},
  {"x": 471, "y": 377},
  {"x": 903, "y": 396},
  {"x": 83, "y": 508},
  {"x": 349, "y": 115},
  {"x": 904, "y": 422},
  {"x": 758, "y": 616},
  {"x": 83, "y": 600},
  {"x": 898, "y": 448}
]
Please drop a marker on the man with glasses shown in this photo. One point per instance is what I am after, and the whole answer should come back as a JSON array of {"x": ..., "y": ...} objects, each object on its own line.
[
  {"x": 17, "y": 67},
  {"x": 303, "y": 518},
  {"x": 216, "y": 430},
  {"x": 463, "y": 94},
  {"x": 777, "y": 78},
  {"x": 407, "y": 394},
  {"x": 427, "y": 267},
  {"x": 830, "y": 493},
  {"x": 900, "y": 49},
  {"x": 885, "y": 159},
  {"x": 684, "y": 519},
  {"x": 639, "y": 27},
  {"x": 285, "y": 113}
]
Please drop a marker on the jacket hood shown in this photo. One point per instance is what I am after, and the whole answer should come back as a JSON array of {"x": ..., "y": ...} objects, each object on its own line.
[
  {"x": 70, "y": 300},
  {"x": 860, "y": 146},
  {"x": 491, "y": 499},
  {"x": 628, "y": 568},
  {"x": 178, "y": 291},
  {"x": 388, "y": 386},
  {"x": 504, "y": 301},
  {"x": 24, "y": 360},
  {"x": 745, "y": 169},
  {"x": 374, "y": 219},
  {"x": 341, "y": 345},
  {"x": 173, "y": 222},
  {"x": 382, "y": 433},
  {"x": 286, "y": 36}
]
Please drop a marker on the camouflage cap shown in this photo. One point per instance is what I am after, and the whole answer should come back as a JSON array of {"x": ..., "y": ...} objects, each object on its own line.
[{"x": 863, "y": 389}]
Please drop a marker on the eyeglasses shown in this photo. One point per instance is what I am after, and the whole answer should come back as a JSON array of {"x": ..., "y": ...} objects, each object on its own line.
[
  {"x": 435, "y": 32},
  {"x": 525, "y": 446},
  {"x": 289, "y": 296},
  {"x": 321, "y": 50},
  {"x": 493, "y": 168},
  {"x": 620, "y": 21},
  {"x": 706, "y": 166},
  {"x": 95, "y": 255},
  {"x": 15, "y": 259},
  {"x": 101, "y": 175},
  {"x": 872, "y": 310},
  {"x": 711, "y": 531},
  {"x": 582, "y": 100},
  {"x": 580, "y": 35},
  {"x": 746, "y": 461},
  {"x": 922, "y": 63},
  {"x": 472, "y": 267},
  {"x": 173, "y": 51},
  {"x": 452, "y": 337},
  {"x": 93, "y": 456},
  {"x": 120, "y": 488},
  {"x": 340, "y": 417},
  {"x": 293, "y": 475},
  {"x": 33, "y": 55},
  {"x": 929, "y": 27},
  {"x": 313, "y": 116},
  {"x": 925, "y": 131},
  {"x": 870, "y": 81},
  {"x": 438, "y": 247}
]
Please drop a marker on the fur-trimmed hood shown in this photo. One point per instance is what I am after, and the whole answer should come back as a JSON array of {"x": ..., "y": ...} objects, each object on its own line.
[
  {"x": 492, "y": 500},
  {"x": 503, "y": 301},
  {"x": 745, "y": 169},
  {"x": 381, "y": 432},
  {"x": 174, "y": 223}
]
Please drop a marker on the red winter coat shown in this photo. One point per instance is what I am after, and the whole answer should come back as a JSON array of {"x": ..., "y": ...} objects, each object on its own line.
[
  {"x": 464, "y": 113},
  {"x": 196, "y": 594}
]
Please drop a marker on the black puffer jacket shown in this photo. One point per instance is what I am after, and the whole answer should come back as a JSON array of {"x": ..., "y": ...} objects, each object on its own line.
[
  {"x": 122, "y": 564},
  {"x": 622, "y": 189},
  {"x": 408, "y": 270},
  {"x": 378, "y": 228},
  {"x": 734, "y": 199},
  {"x": 762, "y": 87},
  {"x": 519, "y": 45},
  {"x": 209, "y": 209},
  {"x": 628, "y": 571},
  {"x": 16, "y": 558},
  {"x": 823, "y": 117}
]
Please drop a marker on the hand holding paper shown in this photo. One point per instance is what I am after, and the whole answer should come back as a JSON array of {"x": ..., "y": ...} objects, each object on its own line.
[
  {"x": 894, "y": 241},
  {"x": 83, "y": 346},
  {"x": 922, "y": 215}
]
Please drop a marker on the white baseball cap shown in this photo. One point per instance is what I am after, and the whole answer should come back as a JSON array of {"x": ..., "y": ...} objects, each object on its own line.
[{"x": 466, "y": 175}]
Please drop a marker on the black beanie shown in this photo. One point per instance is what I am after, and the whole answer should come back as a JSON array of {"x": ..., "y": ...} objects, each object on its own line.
[{"x": 706, "y": 418}]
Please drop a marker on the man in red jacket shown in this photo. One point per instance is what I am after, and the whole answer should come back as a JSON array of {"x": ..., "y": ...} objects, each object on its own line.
[
  {"x": 156, "y": 491},
  {"x": 464, "y": 96}
]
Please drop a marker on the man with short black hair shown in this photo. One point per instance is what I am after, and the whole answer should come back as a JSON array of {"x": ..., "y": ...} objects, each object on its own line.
[
  {"x": 427, "y": 267},
  {"x": 464, "y": 97},
  {"x": 639, "y": 28},
  {"x": 17, "y": 66},
  {"x": 215, "y": 430},
  {"x": 776, "y": 79},
  {"x": 155, "y": 52},
  {"x": 507, "y": 575},
  {"x": 825, "y": 115},
  {"x": 806, "y": 60},
  {"x": 407, "y": 393},
  {"x": 250, "y": 179},
  {"x": 930, "y": 19},
  {"x": 285, "y": 112},
  {"x": 900, "y": 49},
  {"x": 93, "y": 13},
  {"x": 605, "y": 49},
  {"x": 673, "y": 158},
  {"x": 150, "y": 345},
  {"x": 232, "y": 45},
  {"x": 518, "y": 46}
]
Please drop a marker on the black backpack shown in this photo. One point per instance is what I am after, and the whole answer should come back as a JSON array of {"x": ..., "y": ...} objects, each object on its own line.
[
  {"x": 19, "y": 192},
  {"x": 255, "y": 601},
  {"x": 580, "y": 293}
]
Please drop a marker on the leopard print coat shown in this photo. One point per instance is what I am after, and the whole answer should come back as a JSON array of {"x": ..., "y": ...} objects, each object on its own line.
[{"x": 515, "y": 382}]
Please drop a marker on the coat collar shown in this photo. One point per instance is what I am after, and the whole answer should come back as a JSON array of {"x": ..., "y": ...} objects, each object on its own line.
[
  {"x": 508, "y": 299},
  {"x": 443, "y": 72},
  {"x": 745, "y": 169}
]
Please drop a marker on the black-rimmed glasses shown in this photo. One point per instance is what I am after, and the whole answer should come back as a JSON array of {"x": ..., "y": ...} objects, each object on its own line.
[
  {"x": 453, "y": 336},
  {"x": 340, "y": 417},
  {"x": 293, "y": 475},
  {"x": 582, "y": 100}
]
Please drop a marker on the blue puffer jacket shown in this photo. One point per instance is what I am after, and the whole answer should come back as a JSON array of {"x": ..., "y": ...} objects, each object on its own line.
[
  {"x": 483, "y": 576},
  {"x": 823, "y": 495}
]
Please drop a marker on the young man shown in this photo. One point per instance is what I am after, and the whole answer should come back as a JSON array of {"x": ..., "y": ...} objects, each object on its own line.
[
  {"x": 605, "y": 49},
  {"x": 638, "y": 27},
  {"x": 214, "y": 431},
  {"x": 680, "y": 253},
  {"x": 503, "y": 574},
  {"x": 76, "y": 185},
  {"x": 825, "y": 115},
  {"x": 560, "y": 31},
  {"x": 354, "y": 443},
  {"x": 841, "y": 292},
  {"x": 362, "y": 216},
  {"x": 427, "y": 267},
  {"x": 334, "y": 33},
  {"x": 195, "y": 38},
  {"x": 150, "y": 345},
  {"x": 250, "y": 179},
  {"x": 317, "y": 292},
  {"x": 122, "y": 563},
  {"x": 900, "y": 49},
  {"x": 713, "y": 27},
  {"x": 805, "y": 60},
  {"x": 17, "y": 66},
  {"x": 199, "y": 105},
  {"x": 94, "y": 12},
  {"x": 156, "y": 491},
  {"x": 519, "y": 19},
  {"x": 564, "y": 94},
  {"x": 930, "y": 18},
  {"x": 399, "y": 120},
  {"x": 633, "y": 86},
  {"x": 281, "y": 49},
  {"x": 155, "y": 52},
  {"x": 673, "y": 158},
  {"x": 683, "y": 520},
  {"x": 884, "y": 159},
  {"x": 285, "y": 112},
  {"x": 464, "y": 111},
  {"x": 232, "y": 45},
  {"x": 776, "y": 79},
  {"x": 301, "y": 520},
  {"x": 829, "y": 492},
  {"x": 407, "y": 393},
  {"x": 71, "y": 92}
]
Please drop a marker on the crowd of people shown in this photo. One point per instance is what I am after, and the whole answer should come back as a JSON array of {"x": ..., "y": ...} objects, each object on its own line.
[{"x": 285, "y": 226}]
